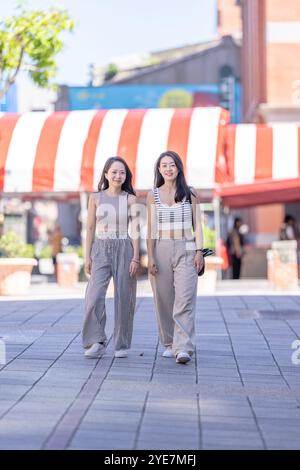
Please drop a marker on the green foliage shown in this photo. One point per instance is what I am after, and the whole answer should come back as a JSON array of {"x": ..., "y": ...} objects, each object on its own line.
[
  {"x": 46, "y": 252},
  {"x": 153, "y": 61},
  {"x": 110, "y": 72},
  {"x": 11, "y": 246},
  {"x": 30, "y": 40},
  {"x": 209, "y": 237},
  {"x": 74, "y": 249}
]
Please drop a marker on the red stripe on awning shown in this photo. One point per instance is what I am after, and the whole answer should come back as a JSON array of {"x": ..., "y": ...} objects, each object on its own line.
[
  {"x": 89, "y": 152},
  {"x": 179, "y": 133},
  {"x": 176, "y": 135},
  {"x": 264, "y": 152},
  {"x": 264, "y": 189},
  {"x": 7, "y": 125},
  {"x": 266, "y": 192},
  {"x": 129, "y": 138},
  {"x": 299, "y": 150},
  {"x": 221, "y": 172},
  {"x": 230, "y": 150},
  {"x": 44, "y": 164}
]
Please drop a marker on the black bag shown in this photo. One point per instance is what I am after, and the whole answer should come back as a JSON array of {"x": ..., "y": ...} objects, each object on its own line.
[{"x": 206, "y": 252}]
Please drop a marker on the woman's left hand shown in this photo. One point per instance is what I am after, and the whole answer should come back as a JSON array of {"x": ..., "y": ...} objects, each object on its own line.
[
  {"x": 133, "y": 268},
  {"x": 198, "y": 261}
]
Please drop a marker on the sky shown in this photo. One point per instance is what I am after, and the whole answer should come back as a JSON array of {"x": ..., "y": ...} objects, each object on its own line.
[{"x": 106, "y": 29}]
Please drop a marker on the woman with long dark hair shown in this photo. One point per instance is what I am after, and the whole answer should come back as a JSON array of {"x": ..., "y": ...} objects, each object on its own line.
[
  {"x": 174, "y": 243},
  {"x": 111, "y": 252}
]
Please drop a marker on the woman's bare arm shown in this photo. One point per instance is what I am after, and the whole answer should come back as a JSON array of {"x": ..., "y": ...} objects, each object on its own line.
[
  {"x": 197, "y": 219},
  {"x": 236, "y": 245},
  {"x": 151, "y": 231},
  {"x": 135, "y": 225},
  {"x": 90, "y": 231}
]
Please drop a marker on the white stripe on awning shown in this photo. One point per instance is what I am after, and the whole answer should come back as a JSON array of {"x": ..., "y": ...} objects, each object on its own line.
[
  {"x": 245, "y": 153},
  {"x": 202, "y": 146},
  {"x": 108, "y": 140},
  {"x": 285, "y": 151},
  {"x": 69, "y": 152},
  {"x": 22, "y": 151},
  {"x": 81, "y": 141},
  {"x": 153, "y": 141}
]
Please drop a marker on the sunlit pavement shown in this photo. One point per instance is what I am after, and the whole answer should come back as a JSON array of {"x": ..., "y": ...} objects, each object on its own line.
[
  {"x": 240, "y": 391},
  {"x": 41, "y": 289}
]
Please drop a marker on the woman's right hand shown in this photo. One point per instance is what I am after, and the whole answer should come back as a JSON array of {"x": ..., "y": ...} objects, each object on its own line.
[
  {"x": 88, "y": 266},
  {"x": 152, "y": 269}
]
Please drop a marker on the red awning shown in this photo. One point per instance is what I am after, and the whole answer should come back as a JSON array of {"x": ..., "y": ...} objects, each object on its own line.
[
  {"x": 66, "y": 151},
  {"x": 263, "y": 164}
]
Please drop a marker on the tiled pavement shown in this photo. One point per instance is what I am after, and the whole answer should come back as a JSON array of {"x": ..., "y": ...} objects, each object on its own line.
[{"x": 240, "y": 391}]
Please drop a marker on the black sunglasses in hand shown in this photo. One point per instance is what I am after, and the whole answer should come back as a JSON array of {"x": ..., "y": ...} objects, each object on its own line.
[{"x": 205, "y": 252}]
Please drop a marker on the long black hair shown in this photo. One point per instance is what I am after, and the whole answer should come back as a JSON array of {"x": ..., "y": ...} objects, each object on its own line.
[
  {"x": 183, "y": 191},
  {"x": 126, "y": 186}
]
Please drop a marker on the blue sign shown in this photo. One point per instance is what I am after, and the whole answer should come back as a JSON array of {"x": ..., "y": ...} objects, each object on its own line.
[
  {"x": 143, "y": 96},
  {"x": 152, "y": 96},
  {"x": 9, "y": 103}
]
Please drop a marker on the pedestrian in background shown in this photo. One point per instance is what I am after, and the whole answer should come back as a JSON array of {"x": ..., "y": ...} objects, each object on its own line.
[
  {"x": 55, "y": 241},
  {"x": 111, "y": 253},
  {"x": 289, "y": 230},
  {"x": 235, "y": 245},
  {"x": 175, "y": 255}
]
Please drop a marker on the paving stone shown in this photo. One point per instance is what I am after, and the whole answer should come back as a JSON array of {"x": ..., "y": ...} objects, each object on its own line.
[{"x": 145, "y": 401}]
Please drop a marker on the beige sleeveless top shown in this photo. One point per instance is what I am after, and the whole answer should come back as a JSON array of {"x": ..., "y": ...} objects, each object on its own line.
[{"x": 112, "y": 215}]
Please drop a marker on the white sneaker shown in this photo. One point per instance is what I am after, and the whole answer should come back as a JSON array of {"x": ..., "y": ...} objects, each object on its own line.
[
  {"x": 121, "y": 353},
  {"x": 96, "y": 350},
  {"x": 168, "y": 353},
  {"x": 183, "y": 357}
]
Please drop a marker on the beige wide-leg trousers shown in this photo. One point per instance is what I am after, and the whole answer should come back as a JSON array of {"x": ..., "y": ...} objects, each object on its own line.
[
  {"x": 175, "y": 292},
  {"x": 111, "y": 257}
]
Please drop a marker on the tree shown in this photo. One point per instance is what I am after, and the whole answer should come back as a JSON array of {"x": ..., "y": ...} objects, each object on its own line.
[
  {"x": 110, "y": 72},
  {"x": 30, "y": 41}
]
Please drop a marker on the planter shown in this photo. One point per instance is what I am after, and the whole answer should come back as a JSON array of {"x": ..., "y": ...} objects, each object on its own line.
[
  {"x": 46, "y": 266},
  {"x": 282, "y": 265},
  {"x": 68, "y": 267},
  {"x": 15, "y": 275}
]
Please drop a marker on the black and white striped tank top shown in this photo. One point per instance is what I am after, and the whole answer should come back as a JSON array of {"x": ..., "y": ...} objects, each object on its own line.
[{"x": 176, "y": 217}]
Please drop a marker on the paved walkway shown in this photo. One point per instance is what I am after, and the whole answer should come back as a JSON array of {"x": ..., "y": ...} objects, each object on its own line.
[
  {"x": 41, "y": 288},
  {"x": 240, "y": 391}
]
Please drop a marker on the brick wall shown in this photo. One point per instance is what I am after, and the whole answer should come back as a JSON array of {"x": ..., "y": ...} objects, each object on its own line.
[
  {"x": 283, "y": 72},
  {"x": 229, "y": 17},
  {"x": 283, "y": 10}
]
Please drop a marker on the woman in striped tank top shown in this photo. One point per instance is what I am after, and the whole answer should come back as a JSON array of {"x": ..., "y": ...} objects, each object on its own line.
[{"x": 175, "y": 255}]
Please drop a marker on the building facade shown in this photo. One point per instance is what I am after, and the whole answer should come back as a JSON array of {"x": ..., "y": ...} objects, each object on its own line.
[
  {"x": 270, "y": 47},
  {"x": 205, "y": 74},
  {"x": 270, "y": 31}
]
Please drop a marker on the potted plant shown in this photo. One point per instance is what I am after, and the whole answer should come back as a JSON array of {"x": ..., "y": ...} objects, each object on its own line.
[
  {"x": 78, "y": 249},
  {"x": 46, "y": 265},
  {"x": 69, "y": 265},
  {"x": 16, "y": 263}
]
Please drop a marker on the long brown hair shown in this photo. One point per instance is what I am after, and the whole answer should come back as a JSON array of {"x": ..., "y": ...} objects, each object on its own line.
[{"x": 126, "y": 186}]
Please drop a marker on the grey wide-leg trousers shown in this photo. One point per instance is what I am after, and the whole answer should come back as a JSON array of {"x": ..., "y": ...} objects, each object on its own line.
[
  {"x": 110, "y": 257},
  {"x": 175, "y": 293}
]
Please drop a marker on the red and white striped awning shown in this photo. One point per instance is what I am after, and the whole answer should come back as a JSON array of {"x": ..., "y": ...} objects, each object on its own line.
[
  {"x": 66, "y": 151},
  {"x": 263, "y": 164}
]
